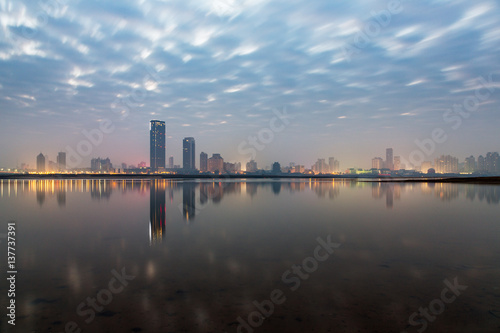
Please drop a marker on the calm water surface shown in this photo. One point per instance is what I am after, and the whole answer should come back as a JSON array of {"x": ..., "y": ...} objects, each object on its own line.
[{"x": 204, "y": 256}]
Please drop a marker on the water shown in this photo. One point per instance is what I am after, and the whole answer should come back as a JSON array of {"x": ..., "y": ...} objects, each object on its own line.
[{"x": 195, "y": 256}]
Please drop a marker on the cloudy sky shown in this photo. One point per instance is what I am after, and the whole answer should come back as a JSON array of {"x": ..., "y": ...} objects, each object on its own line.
[{"x": 353, "y": 78}]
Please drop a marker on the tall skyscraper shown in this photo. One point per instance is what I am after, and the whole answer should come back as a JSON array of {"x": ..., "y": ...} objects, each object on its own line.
[
  {"x": 157, "y": 138},
  {"x": 203, "y": 162},
  {"x": 40, "y": 163},
  {"x": 188, "y": 157},
  {"x": 171, "y": 162},
  {"x": 61, "y": 161},
  {"x": 389, "y": 160}
]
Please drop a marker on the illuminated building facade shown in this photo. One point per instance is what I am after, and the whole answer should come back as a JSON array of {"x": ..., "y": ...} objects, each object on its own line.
[{"x": 157, "y": 137}]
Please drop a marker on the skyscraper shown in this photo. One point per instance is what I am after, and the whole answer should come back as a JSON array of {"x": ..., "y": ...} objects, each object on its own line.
[
  {"x": 40, "y": 163},
  {"x": 171, "y": 162},
  {"x": 188, "y": 157},
  {"x": 389, "y": 160},
  {"x": 61, "y": 161},
  {"x": 203, "y": 162},
  {"x": 157, "y": 137}
]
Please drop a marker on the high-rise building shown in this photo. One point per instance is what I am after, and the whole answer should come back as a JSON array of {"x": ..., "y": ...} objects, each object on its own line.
[
  {"x": 216, "y": 163},
  {"x": 320, "y": 166},
  {"x": 377, "y": 163},
  {"x": 446, "y": 164},
  {"x": 61, "y": 161},
  {"x": 389, "y": 160},
  {"x": 492, "y": 163},
  {"x": 470, "y": 164},
  {"x": 203, "y": 162},
  {"x": 276, "y": 167},
  {"x": 188, "y": 154},
  {"x": 171, "y": 162},
  {"x": 252, "y": 166},
  {"x": 40, "y": 163},
  {"x": 397, "y": 163},
  {"x": 157, "y": 144},
  {"x": 481, "y": 164},
  {"x": 101, "y": 164}
]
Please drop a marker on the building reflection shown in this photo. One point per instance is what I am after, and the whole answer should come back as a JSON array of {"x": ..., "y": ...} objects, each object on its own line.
[
  {"x": 390, "y": 191},
  {"x": 215, "y": 191},
  {"x": 40, "y": 191},
  {"x": 157, "y": 211},
  {"x": 188, "y": 201}
]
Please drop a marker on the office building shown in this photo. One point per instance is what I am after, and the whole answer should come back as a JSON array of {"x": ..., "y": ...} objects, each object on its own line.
[
  {"x": 61, "y": 161},
  {"x": 389, "y": 160},
  {"x": 157, "y": 145},
  {"x": 171, "y": 162},
  {"x": 40, "y": 163},
  {"x": 188, "y": 154},
  {"x": 203, "y": 162}
]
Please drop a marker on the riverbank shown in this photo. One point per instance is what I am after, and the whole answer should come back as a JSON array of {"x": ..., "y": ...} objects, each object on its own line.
[{"x": 441, "y": 179}]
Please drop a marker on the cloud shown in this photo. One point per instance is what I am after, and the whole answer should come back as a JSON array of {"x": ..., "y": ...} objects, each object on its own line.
[{"x": 193, "y": 62}]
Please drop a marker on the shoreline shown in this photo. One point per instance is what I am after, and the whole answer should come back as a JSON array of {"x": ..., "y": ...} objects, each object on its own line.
[{"x": 487, "y": 180}]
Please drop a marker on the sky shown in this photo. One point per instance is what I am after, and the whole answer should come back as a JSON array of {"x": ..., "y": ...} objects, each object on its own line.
[{"x": 286, "y": 81}]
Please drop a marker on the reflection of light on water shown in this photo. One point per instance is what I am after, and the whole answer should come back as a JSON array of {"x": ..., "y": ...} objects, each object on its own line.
[{"x": 150, "y": 232}]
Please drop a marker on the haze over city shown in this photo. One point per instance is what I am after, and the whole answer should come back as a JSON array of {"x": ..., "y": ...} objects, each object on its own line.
[{"x": 354, "y": 77}]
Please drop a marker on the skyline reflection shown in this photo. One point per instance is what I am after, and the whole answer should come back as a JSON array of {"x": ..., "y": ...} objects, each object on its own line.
[{"x": 214, "y": 191}]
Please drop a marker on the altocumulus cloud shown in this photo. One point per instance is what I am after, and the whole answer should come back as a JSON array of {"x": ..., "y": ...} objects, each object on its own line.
[{"x": 63, "y": 63}]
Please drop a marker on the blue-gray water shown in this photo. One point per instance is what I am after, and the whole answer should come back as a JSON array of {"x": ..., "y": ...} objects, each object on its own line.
[{"x": 198, "y": 255}]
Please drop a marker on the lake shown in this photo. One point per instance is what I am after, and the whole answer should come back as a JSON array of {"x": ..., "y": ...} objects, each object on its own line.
[{"x": 252, "y": 256}]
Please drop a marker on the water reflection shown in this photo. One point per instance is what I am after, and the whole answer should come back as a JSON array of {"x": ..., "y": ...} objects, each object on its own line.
[
  {"x": 214, "y": 191},
  {"x": 188, "y": 201},
  {"x": 393, "y": 259},
  {"x": 158, "y": 212}
]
